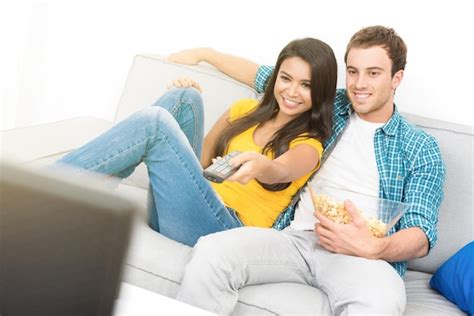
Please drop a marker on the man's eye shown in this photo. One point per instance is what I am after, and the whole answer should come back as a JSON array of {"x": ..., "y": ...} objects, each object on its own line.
[
  {"x": 351, "y": 72},
  {"x": 374, "y": 73}
]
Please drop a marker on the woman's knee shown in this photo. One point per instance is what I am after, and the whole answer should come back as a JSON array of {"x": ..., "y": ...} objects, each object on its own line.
[
  {"x": 157, "y": 117},
  {"x": 189, "y": 95},
  {"x": 175, "y": 98}
]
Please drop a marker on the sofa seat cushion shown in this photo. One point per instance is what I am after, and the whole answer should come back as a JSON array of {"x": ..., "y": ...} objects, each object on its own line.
[
  {"x": 423, "y": 300},
  {"x": 289, "y": 298}
]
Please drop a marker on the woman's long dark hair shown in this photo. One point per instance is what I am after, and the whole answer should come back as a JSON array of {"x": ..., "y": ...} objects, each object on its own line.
[{"x": 315, "y": 123}]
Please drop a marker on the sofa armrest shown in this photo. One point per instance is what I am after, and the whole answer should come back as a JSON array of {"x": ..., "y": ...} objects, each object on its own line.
[{"x": 31, "y": 143}]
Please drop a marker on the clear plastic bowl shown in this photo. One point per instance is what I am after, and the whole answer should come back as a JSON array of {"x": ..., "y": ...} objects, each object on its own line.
[{"x": 380, "y": 214}]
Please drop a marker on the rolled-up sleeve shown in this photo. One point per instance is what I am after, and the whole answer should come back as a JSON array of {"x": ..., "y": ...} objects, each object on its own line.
[
  {"x": 424, "y": 191},
  {"x": 263, "y": 73}
]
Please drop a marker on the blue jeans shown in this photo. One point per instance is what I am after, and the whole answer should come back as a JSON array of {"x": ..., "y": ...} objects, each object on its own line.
[{"x": 167, "y": 137}]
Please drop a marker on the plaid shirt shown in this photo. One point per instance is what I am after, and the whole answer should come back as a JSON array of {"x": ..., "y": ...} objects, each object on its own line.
[{"x": 408, "y": 161}]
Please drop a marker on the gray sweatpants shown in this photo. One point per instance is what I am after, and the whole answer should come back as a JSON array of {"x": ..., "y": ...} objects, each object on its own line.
[{"x": 224, "y": 262}]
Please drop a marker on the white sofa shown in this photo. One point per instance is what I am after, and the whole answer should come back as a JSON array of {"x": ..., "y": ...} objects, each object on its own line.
[{"x": 156, "y": 263}]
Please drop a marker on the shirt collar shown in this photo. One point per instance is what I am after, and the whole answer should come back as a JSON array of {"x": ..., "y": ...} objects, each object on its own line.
[{"x": 390, "y": 128}]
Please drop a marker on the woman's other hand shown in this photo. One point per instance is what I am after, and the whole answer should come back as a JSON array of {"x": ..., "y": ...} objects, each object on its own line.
[{"x": 184, "y": 82}]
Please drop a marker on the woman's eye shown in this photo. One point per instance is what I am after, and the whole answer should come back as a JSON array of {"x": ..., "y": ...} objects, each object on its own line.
[
  {"x": 284, "y": 78},
  {"x": 306, "y": 85}
]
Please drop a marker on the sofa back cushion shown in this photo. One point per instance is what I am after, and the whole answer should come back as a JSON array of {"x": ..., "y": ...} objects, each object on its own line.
[
  {"x": 150, "y": 74},
  {"x": 456, "y": 214}
]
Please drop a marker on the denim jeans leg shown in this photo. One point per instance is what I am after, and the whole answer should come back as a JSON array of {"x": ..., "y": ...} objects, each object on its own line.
[
  {"x": 116, "y": 152},
  {"x": 186, "y": 205},
  {"x": 186, "y": 106}
]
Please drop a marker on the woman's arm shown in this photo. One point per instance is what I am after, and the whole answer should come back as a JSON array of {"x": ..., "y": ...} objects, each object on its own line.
[
  {"x": 239, "y": 68},
  {"x": 292, "y": 165}
]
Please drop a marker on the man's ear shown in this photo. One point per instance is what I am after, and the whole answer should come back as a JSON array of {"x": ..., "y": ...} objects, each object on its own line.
[{"x": 397, "y": 79}]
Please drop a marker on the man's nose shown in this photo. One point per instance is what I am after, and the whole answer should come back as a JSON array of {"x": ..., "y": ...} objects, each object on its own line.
[{"x": 361, "y": 81}]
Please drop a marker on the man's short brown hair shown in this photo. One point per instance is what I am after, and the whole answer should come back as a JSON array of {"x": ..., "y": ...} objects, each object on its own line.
[{"x": 386, "y": 38}]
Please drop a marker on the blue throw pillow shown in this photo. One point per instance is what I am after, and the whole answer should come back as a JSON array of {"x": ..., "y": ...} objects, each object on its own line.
[{"x": 455, "y": 279}]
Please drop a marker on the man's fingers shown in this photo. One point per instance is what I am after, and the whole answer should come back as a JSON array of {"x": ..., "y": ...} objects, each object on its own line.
[
  {"x": 326, "y": 222},
  {"x": 356, "y": 216},
  {"x": 323, "y": 231}
]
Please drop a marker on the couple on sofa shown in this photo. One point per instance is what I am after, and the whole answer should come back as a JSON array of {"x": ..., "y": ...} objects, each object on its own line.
[{"x": 368, "y": 148}]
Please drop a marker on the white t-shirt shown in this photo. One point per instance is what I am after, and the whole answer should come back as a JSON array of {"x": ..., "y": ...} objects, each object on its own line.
[{"x": 350, "y": 166}]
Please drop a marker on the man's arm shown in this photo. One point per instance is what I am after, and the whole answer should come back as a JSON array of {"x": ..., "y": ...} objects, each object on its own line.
[
  {"x": 417, "y": 234},
  {"x": 240, "y": 69},
  {"x": 406, "y": 244}
]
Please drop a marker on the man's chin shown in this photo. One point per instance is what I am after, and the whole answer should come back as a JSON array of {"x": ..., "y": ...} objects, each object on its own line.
[{"x": 359, "y": 107}]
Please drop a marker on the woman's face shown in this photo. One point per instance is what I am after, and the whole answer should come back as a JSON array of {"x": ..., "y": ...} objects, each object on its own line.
[{"x": 293, "y": 87}]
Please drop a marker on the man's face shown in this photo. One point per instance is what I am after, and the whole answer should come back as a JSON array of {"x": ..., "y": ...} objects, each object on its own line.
[{"x": 369, "y": 83}]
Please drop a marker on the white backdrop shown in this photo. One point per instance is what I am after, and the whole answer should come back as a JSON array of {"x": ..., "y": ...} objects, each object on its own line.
[{"x": 62, "y": 59}]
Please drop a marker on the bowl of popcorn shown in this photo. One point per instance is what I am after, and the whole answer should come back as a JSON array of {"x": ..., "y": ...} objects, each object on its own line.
[{"x": 379, "y": 214}]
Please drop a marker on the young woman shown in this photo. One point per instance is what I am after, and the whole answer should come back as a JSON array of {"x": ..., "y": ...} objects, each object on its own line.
[{"x": 279, "y": 139}]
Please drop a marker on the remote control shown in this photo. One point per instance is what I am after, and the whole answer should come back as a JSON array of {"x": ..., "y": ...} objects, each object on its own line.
[{"x": 221, "y": 169}]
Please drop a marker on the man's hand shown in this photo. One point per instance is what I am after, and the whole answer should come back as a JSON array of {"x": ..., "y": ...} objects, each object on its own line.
[
  {"x": 184, "y": 82},
  {"x": 353, "y": 238},
  {"x": 188, "y": 56}
]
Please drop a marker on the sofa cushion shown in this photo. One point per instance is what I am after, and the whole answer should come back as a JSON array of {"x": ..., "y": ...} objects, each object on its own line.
[
  {"x": 455, "y": 279},
  {"x": 423, "y": 300}
]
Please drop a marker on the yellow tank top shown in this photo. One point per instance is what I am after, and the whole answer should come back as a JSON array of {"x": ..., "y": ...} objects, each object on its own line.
[{"x": 254, "y": 205}]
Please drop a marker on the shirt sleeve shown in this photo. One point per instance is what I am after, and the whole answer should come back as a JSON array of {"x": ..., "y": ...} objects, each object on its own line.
[
  {"x": 309, "y": 141},
  {"x": 263, "y": 73},
  {"x": 424, "y": 191}
]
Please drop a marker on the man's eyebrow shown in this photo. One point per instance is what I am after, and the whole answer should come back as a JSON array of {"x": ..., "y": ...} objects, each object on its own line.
[
  {"x": 369, "y": 68},
  {"x": 375, "y": 68}
]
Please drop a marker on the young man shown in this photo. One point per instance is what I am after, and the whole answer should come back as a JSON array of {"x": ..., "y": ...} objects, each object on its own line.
[{"x": 373, "y": 150}]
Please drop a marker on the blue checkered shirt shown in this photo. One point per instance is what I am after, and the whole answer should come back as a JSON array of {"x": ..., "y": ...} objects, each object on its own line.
[{"x": 408, "y": 160}]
